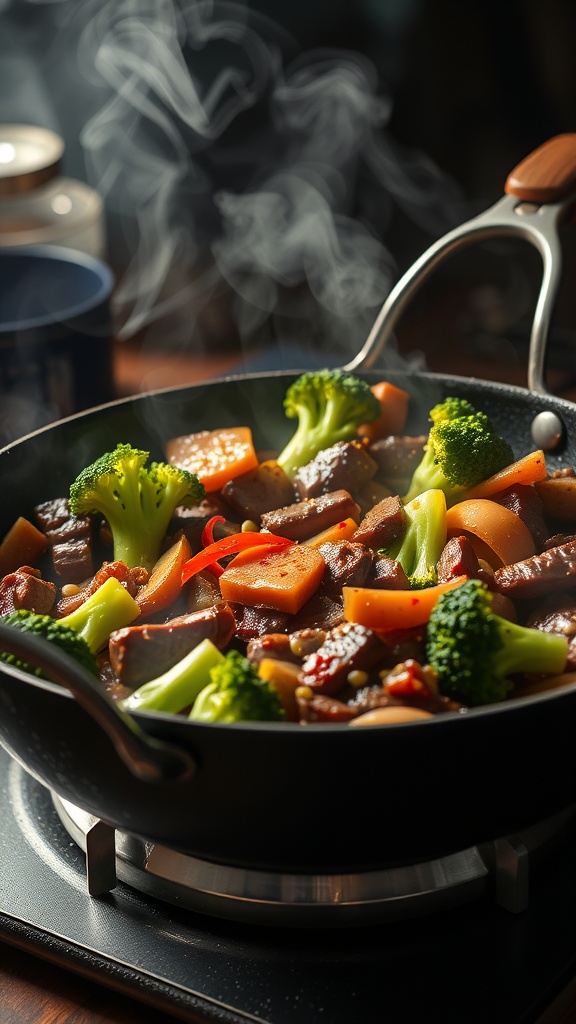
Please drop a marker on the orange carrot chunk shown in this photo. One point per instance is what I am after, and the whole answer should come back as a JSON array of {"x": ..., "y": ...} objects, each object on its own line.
[
  {"x": 392, "y": 419},
  {"x": 215, "y": 456},
  {"x": 284, "y": 580},
  {"x": 165, "y": 582},
  {"x": 22, "y": 545},
  {"x": 527, "y": 470},
  {"x": 385, "y": 610}
]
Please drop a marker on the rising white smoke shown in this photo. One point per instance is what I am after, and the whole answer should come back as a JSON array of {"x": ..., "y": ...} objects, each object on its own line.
[{"x": 239, "y": 176}]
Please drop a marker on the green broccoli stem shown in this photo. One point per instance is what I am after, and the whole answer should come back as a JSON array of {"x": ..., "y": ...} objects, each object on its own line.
[
  {"x": 421, "y": 544},
  {"x": 177, "y": 688},
  {"x": 213, "y": 705},
  {"x": 108, "y": 608},
  {"x": 428, "y": 476},
  {"x": 531, "y": 651}
]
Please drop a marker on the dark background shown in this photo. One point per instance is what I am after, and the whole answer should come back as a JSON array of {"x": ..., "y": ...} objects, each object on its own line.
[{"x": 469, "y": 86}]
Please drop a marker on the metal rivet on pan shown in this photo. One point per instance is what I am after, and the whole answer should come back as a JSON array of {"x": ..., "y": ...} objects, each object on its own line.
[{"x": 547, "y": 430}]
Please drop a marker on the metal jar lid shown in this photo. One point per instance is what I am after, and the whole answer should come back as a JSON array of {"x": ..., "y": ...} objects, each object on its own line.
[{"x": 29, "y": 157}]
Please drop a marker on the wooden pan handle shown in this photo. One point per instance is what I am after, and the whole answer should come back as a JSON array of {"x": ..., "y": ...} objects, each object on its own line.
[{"x": 547, "y": 175}]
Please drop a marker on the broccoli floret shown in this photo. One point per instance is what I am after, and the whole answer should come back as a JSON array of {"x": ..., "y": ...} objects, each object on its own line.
[
  {"x": 54, "y": 630},
  {"x": 177, "y": 688},
  {"x": 137, "y": 501},
  {"x": 108, "y": 608},
  {"x": 421, "y": 544},
  {"x": 462, "y": 449},
  {"x": 474, "y": 651},
  {"x": 329, "y": 405},
  {"x": 236, "y": 693}
]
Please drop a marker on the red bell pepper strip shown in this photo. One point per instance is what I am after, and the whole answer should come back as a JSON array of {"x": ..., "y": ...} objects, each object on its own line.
[
  {"x": 208, "y": 538},
  {"x": 229, "y": 546}
]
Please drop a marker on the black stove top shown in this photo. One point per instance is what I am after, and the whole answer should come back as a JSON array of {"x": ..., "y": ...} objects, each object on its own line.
[{"x": 476, "y": 962}]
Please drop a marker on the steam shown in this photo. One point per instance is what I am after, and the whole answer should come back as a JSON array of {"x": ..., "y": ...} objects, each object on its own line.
[{"x": 245, "y": 184}]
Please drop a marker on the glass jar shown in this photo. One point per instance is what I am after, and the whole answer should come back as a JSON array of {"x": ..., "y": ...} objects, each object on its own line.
[{"x": 37, "y": 205}]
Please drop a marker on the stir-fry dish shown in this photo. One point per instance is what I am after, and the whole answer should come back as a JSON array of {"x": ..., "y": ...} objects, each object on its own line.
[{"x": 360, "y": 576}]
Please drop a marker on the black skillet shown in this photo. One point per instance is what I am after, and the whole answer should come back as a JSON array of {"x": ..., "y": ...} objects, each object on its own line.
[{"x": 273, "y": 796}]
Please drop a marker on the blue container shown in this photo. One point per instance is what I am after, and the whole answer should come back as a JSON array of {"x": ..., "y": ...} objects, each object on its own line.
[{"x": 55, "y": 336}]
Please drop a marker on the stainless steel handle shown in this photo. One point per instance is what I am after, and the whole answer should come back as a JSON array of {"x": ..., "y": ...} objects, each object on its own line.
[{"x": 540, "y": 194}]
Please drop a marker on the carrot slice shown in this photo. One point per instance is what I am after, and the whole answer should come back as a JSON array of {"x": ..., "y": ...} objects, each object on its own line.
[
  {"x": 497, "y": 534},
  {"x": 283, "y": 581},
  {"x": 394, "y": 404},
  {"x": 385, "y": 610},
  {"x": 215, "y": 456},
  {"x": 22, "y": 545},
  {"x": 165, "y": 580},
  {"x": 527, "y": 470},
  {"x": 339, "y": 531}
]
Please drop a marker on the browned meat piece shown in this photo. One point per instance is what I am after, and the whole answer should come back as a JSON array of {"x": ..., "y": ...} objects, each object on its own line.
[
  {"x": 72, "y": 560},
  {"x": 132, "y": 579},
  {"x": 346, "y": 465},
  {"x": 387, "y": 574},
  {"x": 382, "y": 524},
  {"x": 559, "y": 474},
  {"x": 553, "y": 570},
  {"x": 70, "y": 539},
  {"x": 203, "y": 590},
  {"x": 140, "y": 653},
  {"x": 286, "y": 648},
  {"x": 347, "y": 564},
  {"x": 252, "y": 622},
  {"x": 25, "y": 588},
  {"x": 559, "y": 538},
  {"x": 349, "y": 647},
  {"x": 304, "y": 519},
  {"x": 321, "y": 708},
  {"x": 397, "y": 457},
  {"x": 261, "y": 490},
  {"x": 192, "y": 521},
  {"x": 320, "y": 612},
  {"x": 527, "y": 504},
  {"x": 561, "y": 620},
  {"x": 273, "y": 645},
  {"x": 457, "y": 559}
]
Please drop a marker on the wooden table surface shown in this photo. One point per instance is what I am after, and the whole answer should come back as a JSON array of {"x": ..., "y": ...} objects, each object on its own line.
[{"x": 33, "y": 991}]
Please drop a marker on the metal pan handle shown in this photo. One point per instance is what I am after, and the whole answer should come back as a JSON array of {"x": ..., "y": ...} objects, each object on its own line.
[
  {"x": 540, "y": 193},
  {"x": 149, "y": 759}
]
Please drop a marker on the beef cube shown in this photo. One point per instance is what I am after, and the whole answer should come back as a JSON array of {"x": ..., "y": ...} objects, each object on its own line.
[
  {"x": 383, "y": 524},
  {"x": 458, "y": 558},
  {"x": 387, "y": 574},
  {"x": 304, "y": 519},
  {"x": 140, "y": 653},
  {"x": 346, "y": 465},
  {"x": 260, "y": 490},
  {"x": 70, "y": 539},
  {"x": 553, "y": 570},
  {"x": 347, "y": 648},
  {"x": 529, "y": 507},
  {"x": 347, "y": 564},
  {"x": 397, "y": 458},
  {"x": 320, "y": 612}
]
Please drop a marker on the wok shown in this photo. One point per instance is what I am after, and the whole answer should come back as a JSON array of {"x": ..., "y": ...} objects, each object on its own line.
[{"x": 276, "y": 796}]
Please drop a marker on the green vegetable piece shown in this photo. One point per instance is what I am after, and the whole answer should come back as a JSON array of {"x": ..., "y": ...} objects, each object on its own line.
[
  {"x": 236, "y": 693},
  {"x": 475, "y": 652},
  {"x": 108, "y": 608},
  {"x": 53, "y": 630},
  {"x": 137, "y": 502},
  {"x": 462, "y": 449},
  {"x": 420, "y": 547},
  {"x": 329, "y": 405},
  {"x": 177, "y": 688}
]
